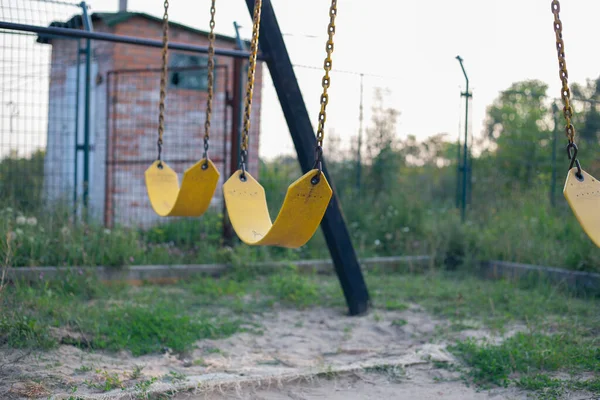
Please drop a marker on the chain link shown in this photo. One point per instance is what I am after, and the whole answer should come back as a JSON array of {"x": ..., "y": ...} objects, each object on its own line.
[
  {"x": 250, "y": 84},
  {"x": 563, "y": 73},
  {"x": 565, "y": 92},
  {"x": 163, "y": 81},
  {"x": 326, "y": 81},
  {"x": 210, "y": 68}
]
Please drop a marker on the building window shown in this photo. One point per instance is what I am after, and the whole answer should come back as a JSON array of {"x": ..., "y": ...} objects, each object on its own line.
[{"x": 194, "y": 79}]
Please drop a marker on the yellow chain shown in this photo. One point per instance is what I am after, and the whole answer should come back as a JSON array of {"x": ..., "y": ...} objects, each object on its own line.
[
  {"x": 163, "y": 80},
  {"x": 326, "y": 79},
  {"x": 564, "y": 75},
  {"x": 210, "y": 68},
  {"x": 250, "y": 81}
]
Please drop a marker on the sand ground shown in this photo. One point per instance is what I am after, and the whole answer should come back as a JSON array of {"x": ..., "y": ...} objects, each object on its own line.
[{"x": 298, "y": 354}]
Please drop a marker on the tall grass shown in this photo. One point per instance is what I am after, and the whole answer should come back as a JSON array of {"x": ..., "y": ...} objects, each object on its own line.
[{"x": 413, "y": 213}]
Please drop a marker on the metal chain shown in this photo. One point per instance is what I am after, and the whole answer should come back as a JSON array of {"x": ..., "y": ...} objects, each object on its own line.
[
  {"x": 565, "y": 91},
  {"x": 564, "y": 75},
  {"x": 210, "y": 68},
  {"x": 163, "y": 82},
  {"x": 326, "y": 81},
  {"x": 250, "y": 86}
]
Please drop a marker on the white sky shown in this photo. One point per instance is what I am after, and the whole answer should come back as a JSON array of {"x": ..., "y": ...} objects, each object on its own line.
[{"x": 414, "y": 44}]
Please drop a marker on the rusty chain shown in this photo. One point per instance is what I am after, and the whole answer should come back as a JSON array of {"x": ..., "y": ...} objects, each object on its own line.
[
  {"x": 250, "y": 85},
  {"x": 210, "y": 71},
  {"x": 563, "y": 73},
  {"x": 565, "y": 92},
  {"x": 326, "y": 81},
  {"x": 163, "y": 82}
]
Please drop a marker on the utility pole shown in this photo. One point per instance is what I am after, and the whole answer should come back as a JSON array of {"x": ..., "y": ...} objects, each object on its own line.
[
  {"x": 360, "y": 132},
  {"x": 466, "y": 94}
]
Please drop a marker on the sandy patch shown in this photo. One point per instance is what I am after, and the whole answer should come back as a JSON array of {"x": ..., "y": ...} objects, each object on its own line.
[{"x": 316, "y": 353}]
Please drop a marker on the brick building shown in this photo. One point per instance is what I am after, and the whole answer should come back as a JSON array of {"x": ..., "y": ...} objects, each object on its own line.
[{"x": 124, "y": 113}]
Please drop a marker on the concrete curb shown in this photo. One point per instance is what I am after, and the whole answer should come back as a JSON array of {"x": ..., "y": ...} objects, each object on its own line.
[
  {"x": 577, "y": 280},
  {"x": 139, "y": 274}
]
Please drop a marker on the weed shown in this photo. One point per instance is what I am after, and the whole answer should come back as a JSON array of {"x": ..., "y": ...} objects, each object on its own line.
[
  {"x": 106, "y": 382},
  {"x": 395, "y": 373},
  {"x": 137, "y": 372},
  {"x": 399, "y": 322},
  {"x": 293, "y": 288},
  {"x": 213, "y": 350},
  {"x": 531, "y": 354},
  {"x": 174, "y": 377},
  {"x": 141, "y": 388},
  {"x": 83, "y": 369},
  {"x": 143, "y": 330},
  {"x": 21, "y": 331}
]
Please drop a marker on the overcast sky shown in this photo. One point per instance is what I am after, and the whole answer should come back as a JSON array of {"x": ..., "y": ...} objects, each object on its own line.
[{"x": 414, "y": 45}]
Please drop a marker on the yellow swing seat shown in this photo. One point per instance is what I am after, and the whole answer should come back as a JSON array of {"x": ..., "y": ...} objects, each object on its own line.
[
  {"x": 303, "y": 208},
  {"x": 192, "y": 199},
  {"x": 583, "y": 196}
]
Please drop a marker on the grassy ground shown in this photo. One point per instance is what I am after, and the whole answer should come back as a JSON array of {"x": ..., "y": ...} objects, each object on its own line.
[
  {"x": 519, "y": 230},
  {"x": 556, "y": 348}
]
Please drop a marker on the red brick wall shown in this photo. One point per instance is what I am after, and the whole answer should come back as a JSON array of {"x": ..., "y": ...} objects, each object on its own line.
[
  {"x": 133, "y": 131},
  {"x": 130, "y": 57}
]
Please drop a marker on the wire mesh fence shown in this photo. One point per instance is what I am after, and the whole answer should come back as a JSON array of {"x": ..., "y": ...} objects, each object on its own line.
[
  {"x": 397, "y": 194},
  {"x": 132, "y": 130},
  {"x": 25, "y": 69},
  {"x": 80, "y": 117}
]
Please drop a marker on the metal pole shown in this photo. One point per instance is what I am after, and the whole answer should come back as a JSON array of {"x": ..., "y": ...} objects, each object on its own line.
[
  {"x": 466, "y": 94},
  {"x": 86, "y": 129},
  {"x": 54, "y": 31},
  {"x": 458, "y": 169},
  {"x": 554, "y": 143},
  {"x": 76, "y": 132},
  {"x": 243, "y": 74},
  {"x": 360, "y": 133}
]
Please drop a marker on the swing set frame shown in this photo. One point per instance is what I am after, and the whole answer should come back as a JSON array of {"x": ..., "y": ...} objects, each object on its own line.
[{"x": 274, "y": 52}]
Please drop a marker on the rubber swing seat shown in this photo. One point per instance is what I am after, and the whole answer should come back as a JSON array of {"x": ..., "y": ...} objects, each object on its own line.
[
  {"x": 303, "y": 209},
  {"x": 192, "y": 199}
]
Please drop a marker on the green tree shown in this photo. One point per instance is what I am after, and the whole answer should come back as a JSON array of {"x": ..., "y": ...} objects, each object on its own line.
[
  {"x": 587, "y": 122},
  {"x": 518, "y": 125},
  {"x": 381, "y": 143},
  {"x": 21, "y": 180}
]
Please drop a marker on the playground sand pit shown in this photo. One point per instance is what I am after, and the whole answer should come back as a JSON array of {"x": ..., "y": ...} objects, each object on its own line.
[{"x": 291, "y": 354}]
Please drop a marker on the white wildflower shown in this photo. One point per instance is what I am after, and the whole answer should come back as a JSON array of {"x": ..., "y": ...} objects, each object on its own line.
[
  {"x": 32, "y": 221},
  {"x": 377, "y": 242},
  {"x": 19, "y": 231},
  {"x": 388, "y": 236},
  {"x": 64, "y": 230},
  {"x": 406, "y": 229},
  {"x": 107, "y": 231},
  {"x": 21, "y": 220}
]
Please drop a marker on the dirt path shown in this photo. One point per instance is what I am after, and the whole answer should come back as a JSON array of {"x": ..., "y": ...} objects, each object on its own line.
[{"x": 311, "y": 354}]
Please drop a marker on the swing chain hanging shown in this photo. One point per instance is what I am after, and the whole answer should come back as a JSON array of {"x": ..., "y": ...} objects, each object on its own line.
[
  {"x": 326, "y": 81},
  {"x": 250, "y": 86},
  {"x": 163, "y": 83},
  {"x": 565, "y": 91},
  {"x": 210, "y": 89}
]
